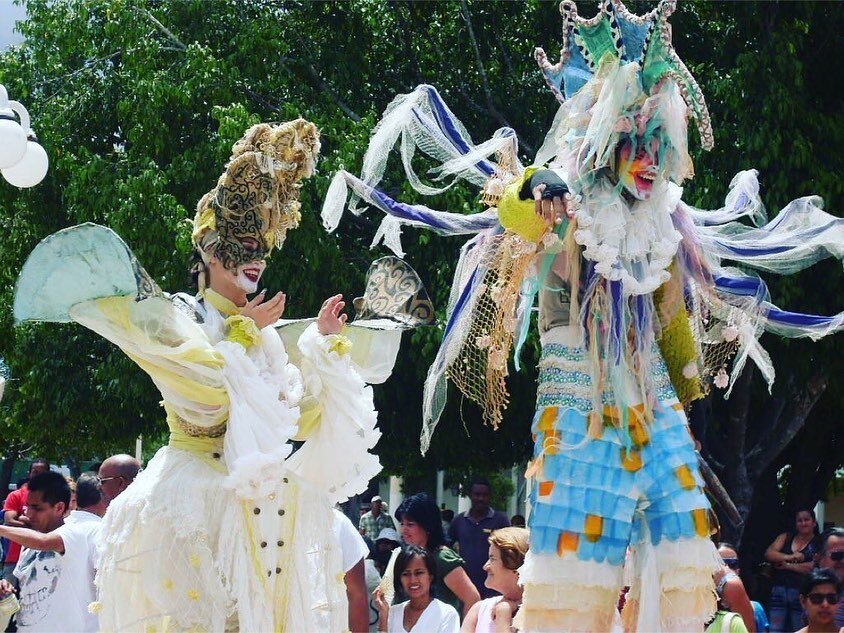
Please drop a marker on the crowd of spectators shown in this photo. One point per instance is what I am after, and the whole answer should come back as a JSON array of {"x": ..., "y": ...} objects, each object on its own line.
[
  {"x": 50, "y": 533},
  {"x": 431, "y": 571}
]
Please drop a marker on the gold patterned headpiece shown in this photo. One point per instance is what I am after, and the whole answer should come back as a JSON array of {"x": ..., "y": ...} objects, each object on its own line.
[{"x": 257, "y": 196}]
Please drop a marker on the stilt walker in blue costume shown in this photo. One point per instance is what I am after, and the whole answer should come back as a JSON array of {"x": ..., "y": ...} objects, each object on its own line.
[{"x": 639, "y": 314}]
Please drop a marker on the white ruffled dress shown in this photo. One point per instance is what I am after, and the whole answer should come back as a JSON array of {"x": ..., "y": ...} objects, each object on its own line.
[{"x": 226, "y": 529}]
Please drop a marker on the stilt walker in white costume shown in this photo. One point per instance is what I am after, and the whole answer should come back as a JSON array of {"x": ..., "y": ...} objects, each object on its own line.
[
  {"x": 225, "y": 529},
  {"x": 638, "y": 313}
]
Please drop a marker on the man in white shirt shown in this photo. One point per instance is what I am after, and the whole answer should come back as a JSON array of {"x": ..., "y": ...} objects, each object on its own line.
[
  {"x": 353, "y": 550},
  {"x": 57, "y": 565}
]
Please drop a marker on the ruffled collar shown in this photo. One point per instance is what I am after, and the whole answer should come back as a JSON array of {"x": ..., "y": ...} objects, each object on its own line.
[{"x": 631, "y": 244}]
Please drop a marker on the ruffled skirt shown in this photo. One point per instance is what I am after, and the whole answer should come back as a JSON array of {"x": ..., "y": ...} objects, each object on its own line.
[
  {"x": 629, "y": 500},
  {"x": 179, "y": 552}
]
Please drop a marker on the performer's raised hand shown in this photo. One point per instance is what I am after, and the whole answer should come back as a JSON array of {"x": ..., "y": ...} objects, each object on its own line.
[
  {"x": 264, "y": 313},
  {"x": 330, "y": 319},
  {"x": 549, "y": 192},
  {"x": 551, "y": 209}
]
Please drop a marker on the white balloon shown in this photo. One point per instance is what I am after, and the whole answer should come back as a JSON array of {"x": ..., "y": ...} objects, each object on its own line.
[
  {"x": 31, "y": 169},
  {"x": 12, "y": 143}
]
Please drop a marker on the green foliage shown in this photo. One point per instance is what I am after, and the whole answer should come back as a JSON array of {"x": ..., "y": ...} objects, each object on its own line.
[{"x": 139, "y": 101}]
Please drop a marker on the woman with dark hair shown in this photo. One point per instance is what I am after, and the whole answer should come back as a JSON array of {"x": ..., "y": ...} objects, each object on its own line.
[
  {"x": 414, "y": 575},
  {"x": 792, "y": 555},
  {"x": 421, "y": 526}
]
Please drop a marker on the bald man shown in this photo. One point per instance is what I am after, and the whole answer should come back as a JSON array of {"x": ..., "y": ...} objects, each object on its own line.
[{"x": 116, "y": 473}]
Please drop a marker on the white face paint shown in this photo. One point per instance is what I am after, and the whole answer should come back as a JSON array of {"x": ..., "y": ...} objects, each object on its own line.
[{"x": 248, "y": 275}]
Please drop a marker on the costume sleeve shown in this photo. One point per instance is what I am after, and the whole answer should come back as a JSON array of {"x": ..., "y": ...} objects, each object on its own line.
[
  {"x": 676, "y": 341},
  {"x": 168, "y": 346},
  {"x": 335, "y": 456},
  {"x": 518, "y": 215},
  {"x": 737, "y": 625}
]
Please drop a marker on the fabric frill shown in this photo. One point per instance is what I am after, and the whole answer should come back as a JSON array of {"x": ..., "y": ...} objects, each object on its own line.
[{"x": 336, "y": 457}]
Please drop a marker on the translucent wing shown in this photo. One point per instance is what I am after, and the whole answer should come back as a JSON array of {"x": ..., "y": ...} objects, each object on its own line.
[{"x": 77, "y": 264}]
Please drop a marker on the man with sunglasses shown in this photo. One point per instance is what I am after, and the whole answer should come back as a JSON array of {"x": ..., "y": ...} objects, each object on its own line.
[
  {"x": 831, "y": 557},
  {"x": 116, "y": 473},
  {"x": 820, "y": 596}
]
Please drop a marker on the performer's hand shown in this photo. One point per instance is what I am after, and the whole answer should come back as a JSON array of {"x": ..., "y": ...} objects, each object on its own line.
[
  {"x": 5, "y": 588},
  {"x": 551, "y": 209},
  {"x": 330, "y": 320},
  {"x": 264, "y": 313}
]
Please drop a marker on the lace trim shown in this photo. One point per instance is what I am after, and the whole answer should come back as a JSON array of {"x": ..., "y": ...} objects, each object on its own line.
[
  {"x": 564, "y": 379},
  {"x": 195, "y": 430}
]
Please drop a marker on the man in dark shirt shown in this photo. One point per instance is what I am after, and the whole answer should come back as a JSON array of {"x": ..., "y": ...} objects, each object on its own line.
[{"x": 470, "y": 532}]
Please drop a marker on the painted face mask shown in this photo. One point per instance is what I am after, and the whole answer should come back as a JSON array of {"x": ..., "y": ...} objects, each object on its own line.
[
  {"x": 256, "y": 200},
  {"x": 638, "y": 168},
  {"x": 240, "y": 240}
]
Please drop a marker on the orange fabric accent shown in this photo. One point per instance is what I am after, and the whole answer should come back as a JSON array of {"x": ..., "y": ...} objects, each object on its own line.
[
  {"x": 567, "y": 542},
  {"x": 551, "y": 443},
  {"x": 638, "y": 433},
  {"x": 631, "y": 461},
  {"x": 593, "y": 527},
  {"x": 701, "y": 521},
  {"x": 677, "y": 406},
  {"x": 545, "y": 488},
  {"x": 685, "y": 477},
  {"x": 547, "y": 419},
  {"x": 636, "y": 421},
  {"x": 612, "y": 415}
]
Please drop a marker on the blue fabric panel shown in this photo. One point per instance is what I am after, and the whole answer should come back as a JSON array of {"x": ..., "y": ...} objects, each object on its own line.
[{"x": 632, "y": 37}]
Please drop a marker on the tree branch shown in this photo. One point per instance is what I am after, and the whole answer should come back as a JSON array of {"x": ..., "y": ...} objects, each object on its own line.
[
  {"x": 397, "y": 8},
  {"x": 490, "y": 103},
  {"x": 261, "y": 99},
  {"x": 167, "y": 32},
  {"x": 322, "y": 85}
]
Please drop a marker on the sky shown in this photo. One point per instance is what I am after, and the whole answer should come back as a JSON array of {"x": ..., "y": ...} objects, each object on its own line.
[{"x": 9, "y": 14}]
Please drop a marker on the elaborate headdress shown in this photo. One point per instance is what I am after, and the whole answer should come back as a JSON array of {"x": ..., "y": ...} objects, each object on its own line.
[
  {"x": 625, "y": 37},
  {"x": 257, "y": 196}
]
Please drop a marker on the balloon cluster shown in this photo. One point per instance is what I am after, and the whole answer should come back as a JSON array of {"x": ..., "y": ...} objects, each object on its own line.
[{"x": 23, "y": 162}]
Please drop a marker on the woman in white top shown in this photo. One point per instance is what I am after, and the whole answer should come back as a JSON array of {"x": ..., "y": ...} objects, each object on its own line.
[
  {"x": 415, "y": 572},
  {"x": 507, "y": 549}
]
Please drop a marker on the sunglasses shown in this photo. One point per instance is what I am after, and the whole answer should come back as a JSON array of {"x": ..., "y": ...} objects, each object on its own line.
[
  {"x": 837, "y": 556},
  {"x": 818, "y": 598},
  {"x": 732, "y": 563}
]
